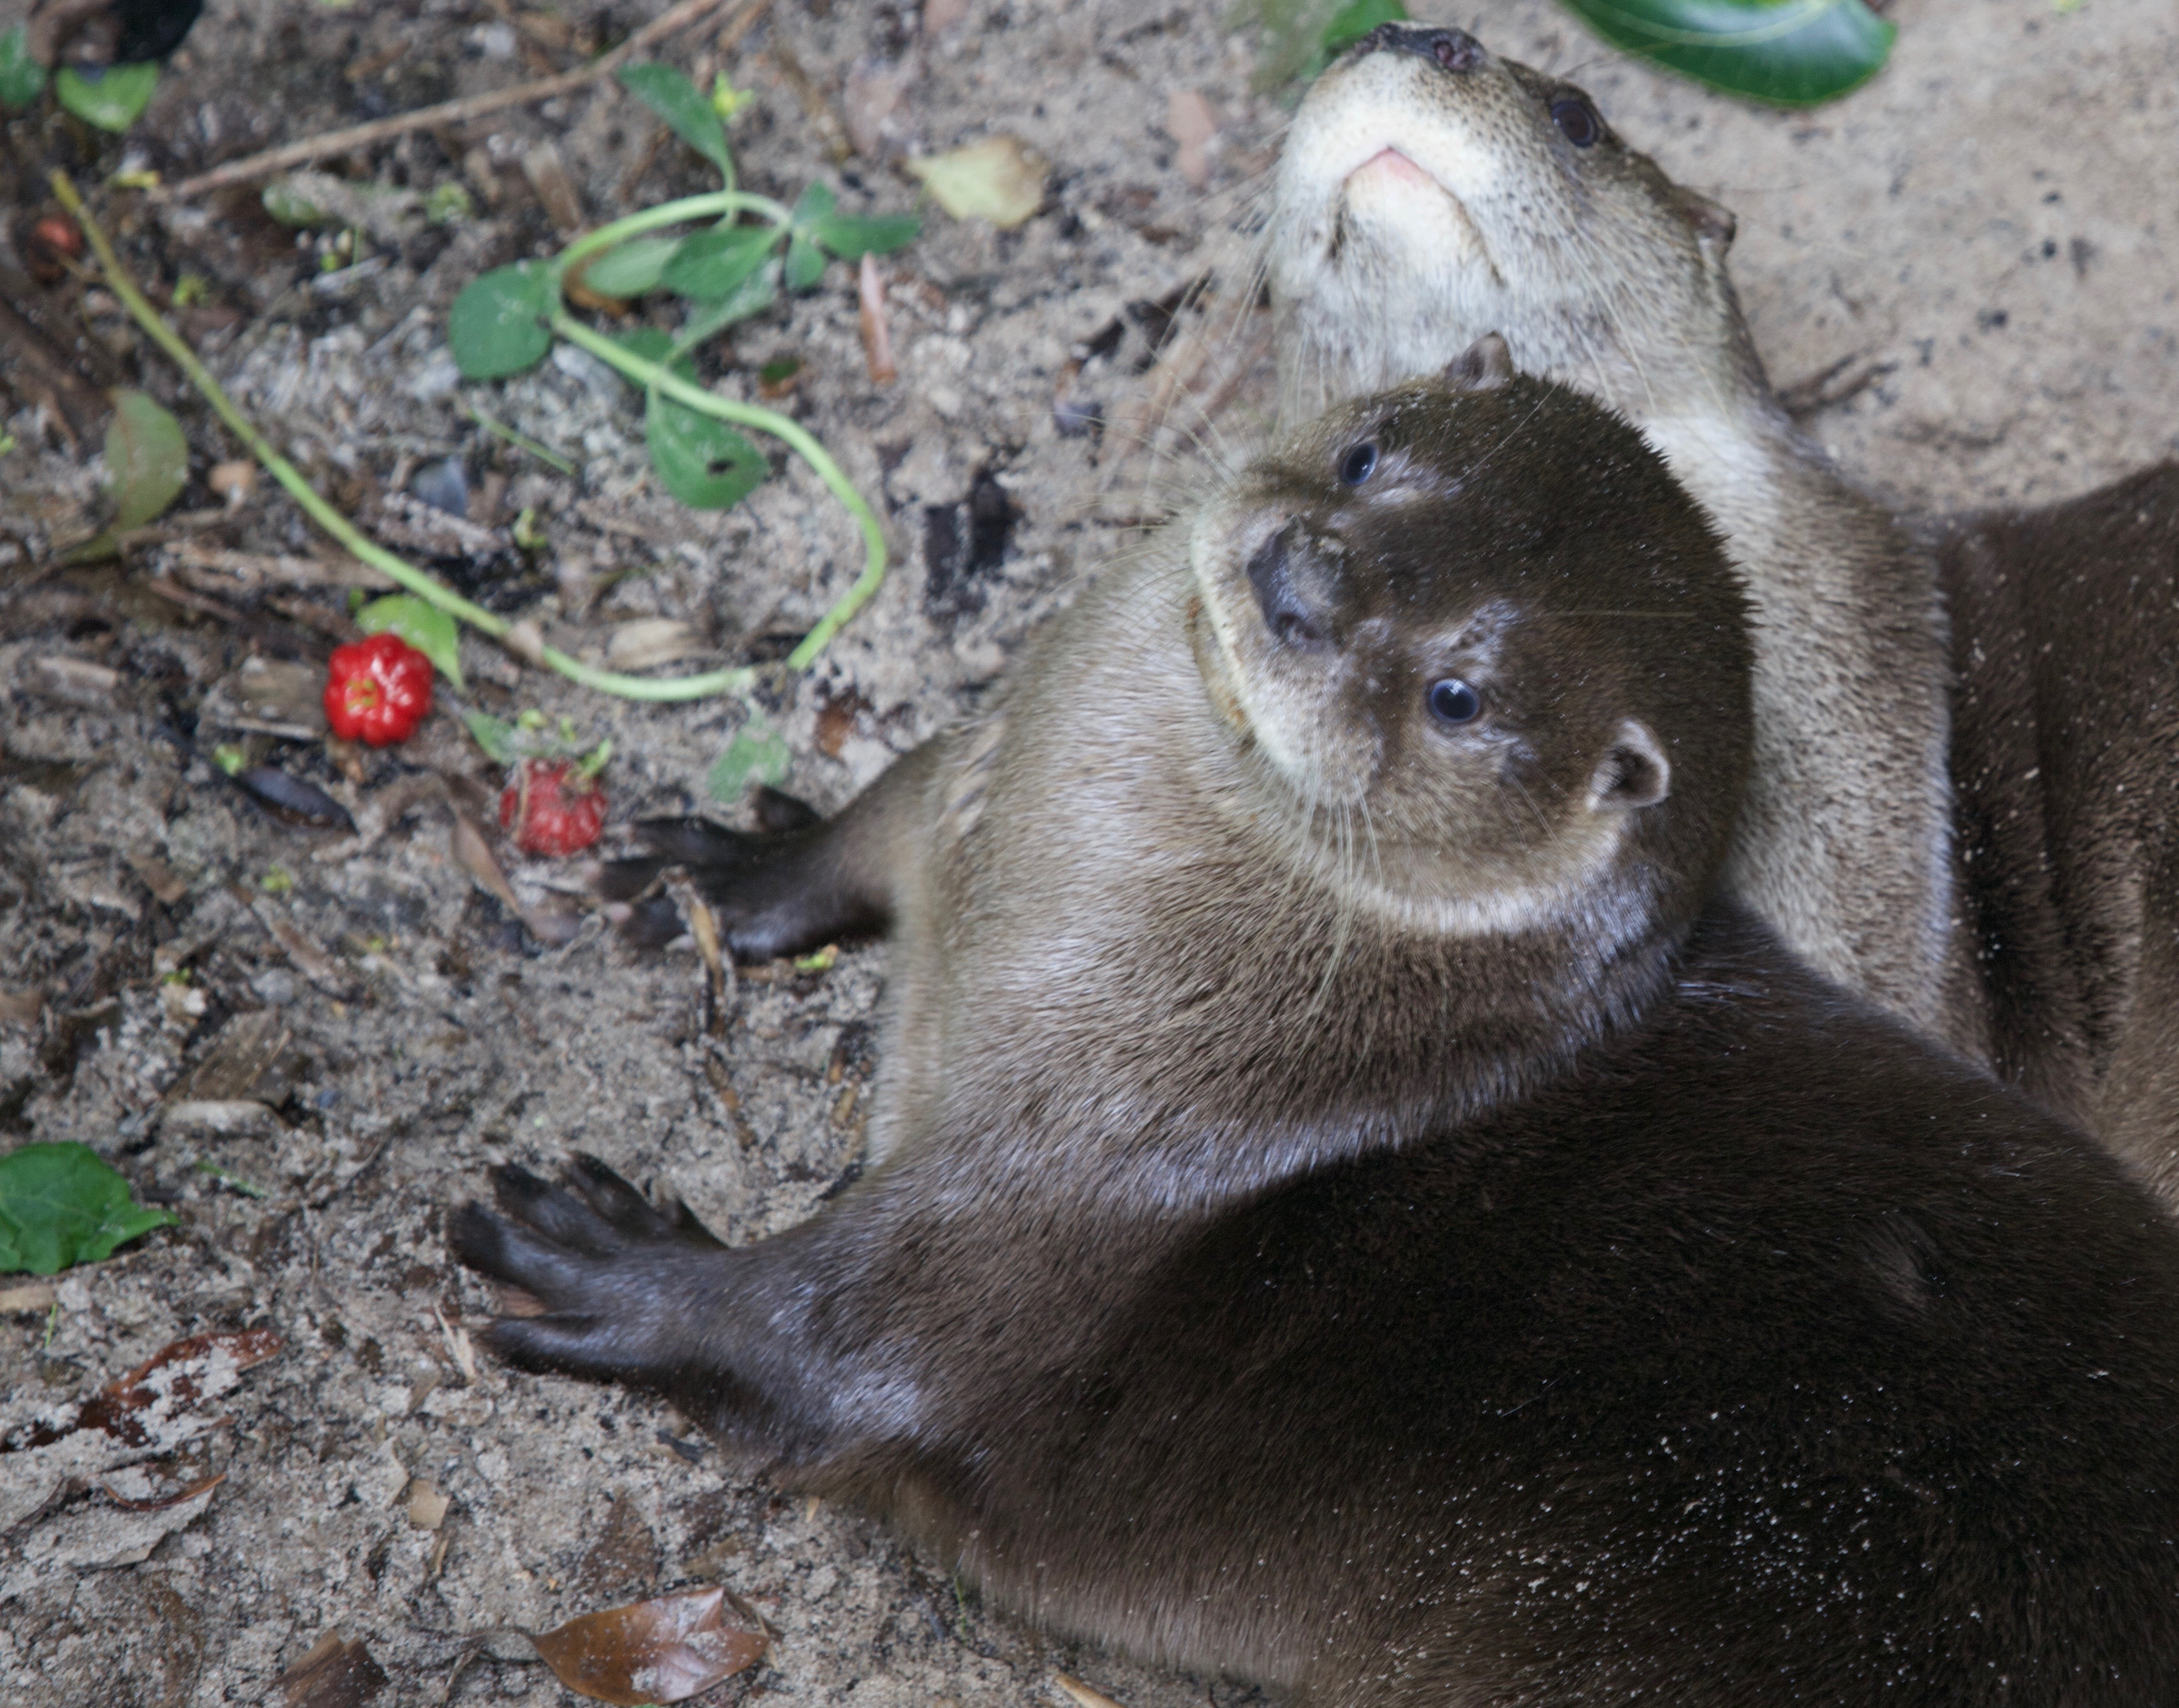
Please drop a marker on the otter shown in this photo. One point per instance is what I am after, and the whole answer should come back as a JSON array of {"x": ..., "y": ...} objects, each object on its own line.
[
  {"x": 1354, "y": 1210},
  {"x": 1428, "y": 190}
]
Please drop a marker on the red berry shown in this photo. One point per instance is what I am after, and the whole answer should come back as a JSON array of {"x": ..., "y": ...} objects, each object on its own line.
[
  {"x": 377, "y": 690},
  {"x": 552, "y": 808}
]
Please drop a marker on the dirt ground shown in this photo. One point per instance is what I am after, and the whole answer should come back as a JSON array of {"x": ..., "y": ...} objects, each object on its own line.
[{"x": 1987, "y": 235}]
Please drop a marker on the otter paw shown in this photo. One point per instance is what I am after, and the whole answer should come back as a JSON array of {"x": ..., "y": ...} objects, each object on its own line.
[
  {"x": 769, "y": 891},
  {"x": 613, "y": 1272}
]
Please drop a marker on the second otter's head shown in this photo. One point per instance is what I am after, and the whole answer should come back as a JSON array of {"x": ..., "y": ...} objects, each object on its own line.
[
  {"x": 1430, "y": 192},
  {"x": 1475, "y": 624}
]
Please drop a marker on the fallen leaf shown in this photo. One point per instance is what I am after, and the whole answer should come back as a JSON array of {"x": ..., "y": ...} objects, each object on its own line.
[
  {"x": 660, "y": 1651},
  {"x": 1081, "y": 1694},
  {"x": 1191, "y": 122},
  {"x": 154, "y": 1402},
  {"x": 1000, "y": 179},
  {"x": 651, "y": 640},
  {"x": 64, "y": 1204},
  {"x": 427, "y": 1506},
  {"x": 160, "y": 1503},
  {"x": 335, "y": 1674},
  {"x": 72, "y": 681},
  {"x": 877, "y": 332}
]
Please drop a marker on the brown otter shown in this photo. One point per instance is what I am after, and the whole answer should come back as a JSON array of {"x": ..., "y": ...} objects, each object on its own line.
[
  {"x": 1430, "y": 190},
  {"x": 1350, "y": 1216},
  {"x": 1429, "y": 193},
  {"x": 2066, "y": 760}
]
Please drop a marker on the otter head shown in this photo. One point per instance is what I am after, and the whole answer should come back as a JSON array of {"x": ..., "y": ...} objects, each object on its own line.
[
  {"x": 1483, "y": 655},
  {"x": 1429, "y": 193}
]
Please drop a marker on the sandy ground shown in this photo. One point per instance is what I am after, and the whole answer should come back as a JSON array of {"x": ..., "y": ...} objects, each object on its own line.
[{"x": 1989, "y": 228}]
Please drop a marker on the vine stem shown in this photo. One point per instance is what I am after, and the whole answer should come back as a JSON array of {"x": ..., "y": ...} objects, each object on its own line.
[
  {"x": 520, "y": 638},
  {"x": 653, "y": 377}
]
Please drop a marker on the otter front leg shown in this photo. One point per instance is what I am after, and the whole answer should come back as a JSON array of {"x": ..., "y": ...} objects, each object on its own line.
[
  {"x": 799, "y": 887},
  {"x": 649, "y": 1297}
]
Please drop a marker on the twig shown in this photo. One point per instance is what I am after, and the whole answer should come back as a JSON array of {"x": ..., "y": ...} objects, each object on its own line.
[{"x": 256, "y": 166}]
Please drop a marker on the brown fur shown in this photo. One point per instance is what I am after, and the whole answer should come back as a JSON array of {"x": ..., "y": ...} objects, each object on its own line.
[
  {"x": 1603, "y": 274},
  {"x": 1378, "y": 1274},
  {"x": 2065, "y": 755}
]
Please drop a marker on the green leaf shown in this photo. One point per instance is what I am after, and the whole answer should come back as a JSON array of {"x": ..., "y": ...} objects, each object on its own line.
[
  {"x": 1789, "y": 53},
  {"x": 424, "y": 627},
  {"x": 708, "y": 266},
  {"x": 112, "y": 101},
  {"x": 285, "y": 201},
  {"x": 61, "y": 1205},
  {"x": 498, "y": 326},
  {"x": 495, "y": 735},
  {"x": 805, "y": 263},
  {"x": 22, "y": 79},
  {"x": 631, "y": 268},
  {"x": 851, "y": 236},
  {"x": 757, "y": 754},
  {"x": 815, "y": 202},
  {"x": 146, "y": 457},
  {"x": 1356, "y": 20},
  {"x": 676, "y": 101},
  {"x": 759, "y": 291},
  {"x": 700, "y": 460}
]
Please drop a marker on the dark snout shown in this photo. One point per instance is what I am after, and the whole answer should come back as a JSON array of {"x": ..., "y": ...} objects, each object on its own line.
[
  {"x": 1298, "y": 584},
  {"x": 1456, "y": 50}
]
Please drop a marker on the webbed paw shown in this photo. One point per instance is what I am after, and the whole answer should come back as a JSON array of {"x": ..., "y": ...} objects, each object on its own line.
[{"x": 624, "y": 1285}]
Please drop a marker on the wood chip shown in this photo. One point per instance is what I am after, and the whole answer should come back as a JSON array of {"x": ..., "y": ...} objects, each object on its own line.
[
  {"x": 335, "y": 1674},
  {"x": 39, "y": 1297},
  {"x": 427, "y": 1506},
  {"x": 1080, "y": 1694},
  {"x": 255, "y": 569},
  {"x": 72, "y": 681}
]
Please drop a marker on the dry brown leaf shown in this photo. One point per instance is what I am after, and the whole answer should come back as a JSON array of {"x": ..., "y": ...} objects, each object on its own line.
[
  {"x": 660, "y": 1651},
  {"x": 1081, "y": 1694},
  {"x": 139, "y": 1408},
  {"x": 160, "y": 1503},
  {"x": 877, "y": 332},
  {"x": 335, "y": 1674},
  {"x": 475, "y": 857},
  {"x": 427, "y": 1506},
  {"x": 1191, "y": 122},
  {"x": 651, "y": 640},
  {"x": 158, "y": 877}
]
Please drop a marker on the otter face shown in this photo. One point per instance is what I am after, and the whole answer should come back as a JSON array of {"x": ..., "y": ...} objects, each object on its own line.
[
  {"x": 1479, "y": 620},
  {"x": 1429, "y": 193}
]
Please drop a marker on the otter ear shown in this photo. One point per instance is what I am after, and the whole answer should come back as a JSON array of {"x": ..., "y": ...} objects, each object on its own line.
[
  {"x": 1632, "y": 772},
  {"x": 1484, "y": 366},
  {"x": 1712, "y": 222}
]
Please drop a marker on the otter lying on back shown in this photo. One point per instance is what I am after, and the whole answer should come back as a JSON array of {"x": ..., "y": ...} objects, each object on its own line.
[
  {"x": 1348, "y": 1214},
  {"x": 1430, "y": 191}
]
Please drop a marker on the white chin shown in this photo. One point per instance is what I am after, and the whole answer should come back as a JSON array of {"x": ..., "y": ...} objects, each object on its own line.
[{"x": 1397, "y": 206}]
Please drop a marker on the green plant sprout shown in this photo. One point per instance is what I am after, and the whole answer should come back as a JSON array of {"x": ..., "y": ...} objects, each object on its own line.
[{"x": 726, "y": 271}]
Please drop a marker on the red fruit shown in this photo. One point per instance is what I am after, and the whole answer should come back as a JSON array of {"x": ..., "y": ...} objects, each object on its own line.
[
  {"x": 553, "y": 807},
  {"x": 377, "y": 690}
]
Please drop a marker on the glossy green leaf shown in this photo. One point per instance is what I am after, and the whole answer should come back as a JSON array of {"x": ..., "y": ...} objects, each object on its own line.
[
  {"x": 700, "y": 460},
  {"x": 852, "y": 236},
  {"x": 498, "y": 324},
  {"x": 62, "y": 1205},
  {"x": 113, "y": 101},
  {"x": 757, "y": 754},
  {"x": 805, "y": 263},
  {"x": 679, "y": 102},
  {"x": 22, "y": 79},
  {"x": 1788, "y": 52},
  {"x": 708, "y": 265},
  {"x": 631, "y": 268},
  {"x": 146, "y": 458},
  {"x": 424, "y": 626}
]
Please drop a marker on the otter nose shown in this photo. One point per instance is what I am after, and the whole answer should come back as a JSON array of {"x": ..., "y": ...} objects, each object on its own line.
[
  {"x": 1296, "y": 585},
  {"x": 1456, "y": 50}
]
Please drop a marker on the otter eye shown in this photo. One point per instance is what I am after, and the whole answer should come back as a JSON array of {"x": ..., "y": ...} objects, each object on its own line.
[
  {"x": 1453, "y": 701},
  {"x": 1358, "y": 464},
  {"x": 1576, "y": 120}
]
